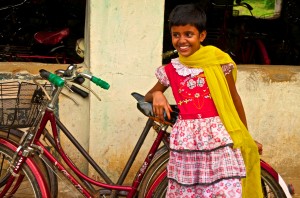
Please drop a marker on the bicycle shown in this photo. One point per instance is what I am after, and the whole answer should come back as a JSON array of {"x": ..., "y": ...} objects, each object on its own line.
[{"x": 151, "y": 179}]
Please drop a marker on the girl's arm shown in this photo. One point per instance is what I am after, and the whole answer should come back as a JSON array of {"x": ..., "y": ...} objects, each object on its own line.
[
  {"x": 159, "y": 101},
  {"x": 236, "y": 98},
  {"x": 238, "y": 105}
]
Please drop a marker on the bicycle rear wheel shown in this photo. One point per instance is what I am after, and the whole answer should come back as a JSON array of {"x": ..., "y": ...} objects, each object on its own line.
[
  {"x": 157, "y": 166},
  {"x": 161, "y": 190},
  {"x": 44, "y": 165},
  {"x": 29, "y": 186}
]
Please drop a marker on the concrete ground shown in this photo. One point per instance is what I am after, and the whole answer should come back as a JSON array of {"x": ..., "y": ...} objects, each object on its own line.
[{"x": 66, "y": 189}]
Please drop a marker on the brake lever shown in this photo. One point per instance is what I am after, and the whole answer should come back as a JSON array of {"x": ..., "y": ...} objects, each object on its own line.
[
  {"x": 83, "y": 93},
  {"x": 91, "y": 91},
  {"x": 66, "y": 95}
]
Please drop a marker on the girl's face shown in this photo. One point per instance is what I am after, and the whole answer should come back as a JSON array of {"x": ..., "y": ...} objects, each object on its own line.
[{"x": 186, "y": 39}]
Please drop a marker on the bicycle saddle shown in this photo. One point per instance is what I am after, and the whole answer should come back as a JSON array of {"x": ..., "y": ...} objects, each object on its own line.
[
  {"x": 51, "y": 37},
  {"x": 147, "y": 110}
]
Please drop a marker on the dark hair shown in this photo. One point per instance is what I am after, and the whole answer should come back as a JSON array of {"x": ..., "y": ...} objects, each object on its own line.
[{"x": 188, "y": 14}]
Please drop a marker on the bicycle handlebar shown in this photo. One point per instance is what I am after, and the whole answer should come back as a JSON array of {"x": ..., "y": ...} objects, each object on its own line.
[
  {"x": 97, "y": 81},
  {"x": 61, "y": 77},
  {"x": 58, "y": 81},
  {"x": 100, "y": 83},
  {"x": 53, "y": 78}
]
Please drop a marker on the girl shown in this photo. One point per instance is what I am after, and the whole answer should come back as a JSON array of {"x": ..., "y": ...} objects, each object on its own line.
[{"x": 211, "y": 149}]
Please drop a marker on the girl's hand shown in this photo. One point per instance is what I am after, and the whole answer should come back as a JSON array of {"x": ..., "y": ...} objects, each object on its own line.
[
  {"x": 161, "y": 105},
  {"x": 159, "y": 101},
  {"x": 259, "y": 146}
]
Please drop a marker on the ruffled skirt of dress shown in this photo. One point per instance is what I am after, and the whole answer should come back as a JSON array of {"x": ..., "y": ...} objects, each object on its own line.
[{"x": 202, "y": 159}]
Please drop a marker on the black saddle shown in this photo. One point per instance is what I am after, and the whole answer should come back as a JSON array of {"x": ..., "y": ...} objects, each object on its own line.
[{"x": 147, "y": 109}]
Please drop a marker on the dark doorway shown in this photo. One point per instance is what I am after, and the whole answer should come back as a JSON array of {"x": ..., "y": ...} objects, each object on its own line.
[
  {"x": 260, "y": 38},
  {"x": 41, "y": 30}
]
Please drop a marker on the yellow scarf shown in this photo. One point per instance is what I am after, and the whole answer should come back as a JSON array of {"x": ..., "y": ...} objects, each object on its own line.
[{"x": 209, "y": 58}]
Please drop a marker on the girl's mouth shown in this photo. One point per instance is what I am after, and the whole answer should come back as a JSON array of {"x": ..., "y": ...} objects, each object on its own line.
[{"x": 183, "y": 48}]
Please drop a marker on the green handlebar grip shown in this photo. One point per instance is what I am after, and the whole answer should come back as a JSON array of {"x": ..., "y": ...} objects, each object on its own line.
[
  {"x": 100, "y": 82},
  {"x": 56, "y": 80}
]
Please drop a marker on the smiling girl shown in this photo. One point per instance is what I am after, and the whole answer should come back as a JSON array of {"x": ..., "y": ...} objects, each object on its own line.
[{"x": 212, "y": 153}]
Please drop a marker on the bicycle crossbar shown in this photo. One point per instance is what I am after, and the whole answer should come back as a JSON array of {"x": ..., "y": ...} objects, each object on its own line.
[{"x": 49, "y": 116}]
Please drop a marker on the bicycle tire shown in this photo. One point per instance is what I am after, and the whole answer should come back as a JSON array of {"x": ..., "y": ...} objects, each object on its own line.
[
  {"x": 29, "y": 186},
  {"x": 158, "y": 164},
  {"x": 44, "y": 164},
  {"x": 271, "y": 187},
  {"x": 161, "y": 189}
]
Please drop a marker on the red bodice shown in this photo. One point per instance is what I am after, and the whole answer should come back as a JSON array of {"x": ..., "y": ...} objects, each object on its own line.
[{"x": 192, "y": 94}]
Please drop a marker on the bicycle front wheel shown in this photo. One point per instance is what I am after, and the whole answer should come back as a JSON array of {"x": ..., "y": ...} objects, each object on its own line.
[
  {"x": 271, "y": 188},
  {"x": 29, "y": 186},
  {"x": 15, "y": 135}
]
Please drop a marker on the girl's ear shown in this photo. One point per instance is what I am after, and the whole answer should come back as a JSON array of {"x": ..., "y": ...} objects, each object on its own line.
[{"x": 202, "y": 36}]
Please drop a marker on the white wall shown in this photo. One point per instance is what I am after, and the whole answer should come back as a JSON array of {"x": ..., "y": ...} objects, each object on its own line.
[
  {"x": 125, "y": 42},
  {"x": 271, "y": 96}
]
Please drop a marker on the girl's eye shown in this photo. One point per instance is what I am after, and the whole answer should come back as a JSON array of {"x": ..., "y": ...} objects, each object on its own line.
[
  {"x": 189, "y": 34},
  {"x": 176, "y": 35}
]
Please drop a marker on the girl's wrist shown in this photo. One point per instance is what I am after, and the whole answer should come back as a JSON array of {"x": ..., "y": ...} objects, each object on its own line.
[{"x": 156, "y": 93}]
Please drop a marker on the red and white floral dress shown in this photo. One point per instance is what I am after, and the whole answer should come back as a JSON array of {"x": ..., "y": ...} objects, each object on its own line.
[{"x": 202, "y": 162}]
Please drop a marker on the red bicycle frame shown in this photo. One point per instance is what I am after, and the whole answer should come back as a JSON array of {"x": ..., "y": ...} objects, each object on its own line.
[{"x": 49, "y": 116}]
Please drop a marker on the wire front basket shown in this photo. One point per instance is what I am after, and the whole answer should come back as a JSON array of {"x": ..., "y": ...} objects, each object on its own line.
[{"x": 20, "y": 103}]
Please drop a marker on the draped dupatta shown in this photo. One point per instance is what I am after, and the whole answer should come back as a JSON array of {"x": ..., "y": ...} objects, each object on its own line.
[{"x": 210, "y": 59}]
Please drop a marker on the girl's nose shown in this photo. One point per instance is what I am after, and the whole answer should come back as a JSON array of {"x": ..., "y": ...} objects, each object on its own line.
[{"x": 181, "y": 40}]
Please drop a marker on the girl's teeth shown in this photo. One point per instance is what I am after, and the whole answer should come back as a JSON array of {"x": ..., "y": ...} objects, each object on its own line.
[{"x": 185, "y": 47}]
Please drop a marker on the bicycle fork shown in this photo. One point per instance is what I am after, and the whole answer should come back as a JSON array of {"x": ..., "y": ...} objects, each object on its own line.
[
  {"x": 14, "y": 170},
  {"x": 19, "y": 159}
]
